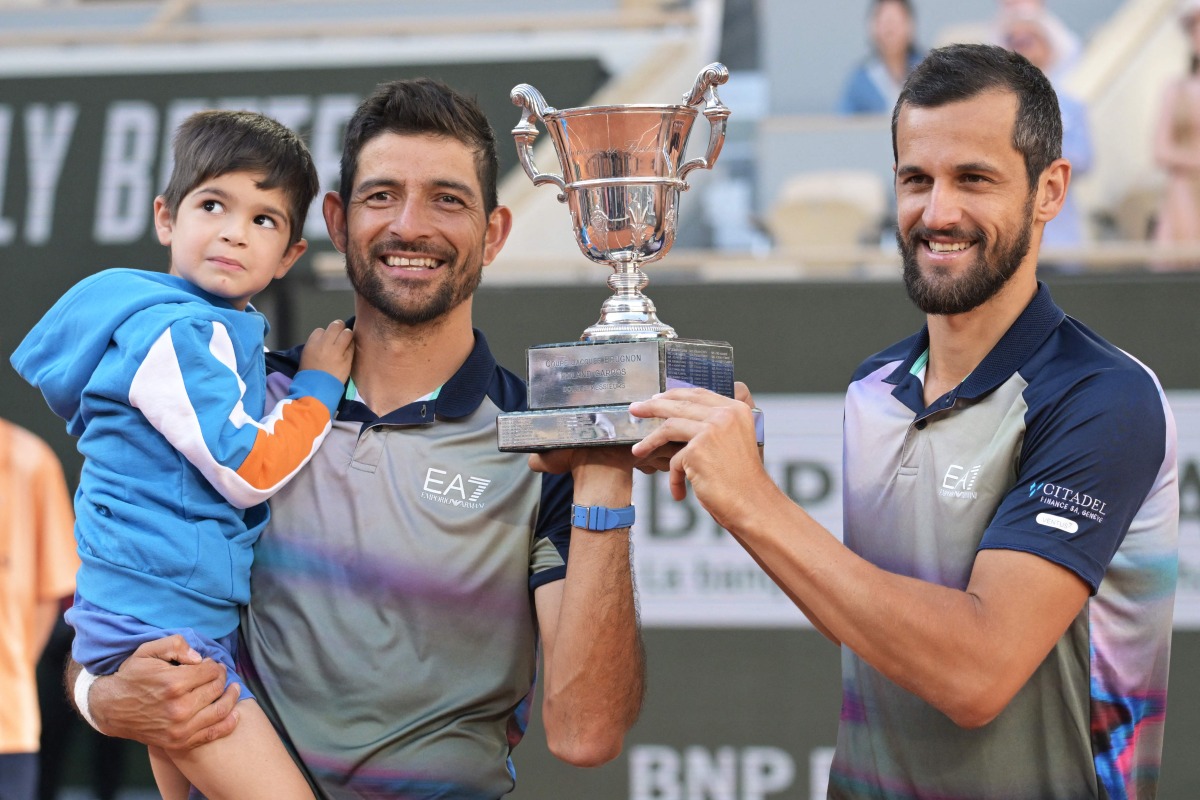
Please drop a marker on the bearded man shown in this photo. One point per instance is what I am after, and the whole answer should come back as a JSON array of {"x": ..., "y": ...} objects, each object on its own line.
[
  {"x": 412, "y": 573},
  {"x": 1004, "y": 594}
]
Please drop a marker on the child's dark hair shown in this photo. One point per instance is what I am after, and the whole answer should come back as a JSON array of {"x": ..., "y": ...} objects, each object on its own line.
[{"x": 210, "y": 144}]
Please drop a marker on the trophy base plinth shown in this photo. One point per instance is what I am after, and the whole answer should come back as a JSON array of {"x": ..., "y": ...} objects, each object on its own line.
[
  {"x": 589, "y": 426},
  {"x": 579, "y": 392},
  {"x": 557, "y": 428},
  {"x": 619, "y": 372}
]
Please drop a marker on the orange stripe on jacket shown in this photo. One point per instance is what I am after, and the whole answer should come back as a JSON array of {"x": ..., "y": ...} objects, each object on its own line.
[{"x": 275, "y": 456}]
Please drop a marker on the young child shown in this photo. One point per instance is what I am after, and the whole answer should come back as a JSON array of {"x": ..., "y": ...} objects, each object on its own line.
[{"x": 162, "y": 378}]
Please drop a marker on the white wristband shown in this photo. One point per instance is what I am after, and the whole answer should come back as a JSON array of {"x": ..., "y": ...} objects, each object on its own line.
[{"x": 83, "y": 685}]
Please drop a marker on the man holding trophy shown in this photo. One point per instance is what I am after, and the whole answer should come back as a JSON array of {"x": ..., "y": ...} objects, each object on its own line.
[
  {"x": 1003, "y": 597},
  {"x": 412, "y": 572}
]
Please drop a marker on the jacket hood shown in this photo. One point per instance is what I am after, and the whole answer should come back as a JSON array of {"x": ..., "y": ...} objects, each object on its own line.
[{"x": 64, "y": 349}]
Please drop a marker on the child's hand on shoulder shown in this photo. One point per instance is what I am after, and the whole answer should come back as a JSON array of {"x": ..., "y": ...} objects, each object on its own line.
[{"x": 330, "y": 349}]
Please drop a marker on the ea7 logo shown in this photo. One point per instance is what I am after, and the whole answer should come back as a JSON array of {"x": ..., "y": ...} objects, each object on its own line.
[
  {"x": 437, "y": 482},
  {"x": 961, "y": 479}
]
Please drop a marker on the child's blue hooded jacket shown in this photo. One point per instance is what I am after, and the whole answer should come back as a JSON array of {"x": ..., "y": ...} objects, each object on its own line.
[{"x": 164, "y": 384}]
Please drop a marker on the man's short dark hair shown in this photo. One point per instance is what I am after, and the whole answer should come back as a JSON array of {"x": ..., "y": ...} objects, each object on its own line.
[
  {"x": 209, "y": 144},
  {"x": 422, "y": 106},
  {"x": 960, "y": 72}
]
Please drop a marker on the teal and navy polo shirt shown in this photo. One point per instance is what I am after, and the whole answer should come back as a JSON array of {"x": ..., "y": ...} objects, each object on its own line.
[
  {"x": 1058, "y": 444},
  {"x": 391, "y": 632}
]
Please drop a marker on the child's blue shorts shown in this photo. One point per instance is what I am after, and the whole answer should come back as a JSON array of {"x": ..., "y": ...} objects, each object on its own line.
[{"x": 103, "y": 640}]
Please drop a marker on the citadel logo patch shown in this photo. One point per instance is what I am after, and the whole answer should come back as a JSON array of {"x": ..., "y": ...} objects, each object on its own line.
[
  {"x": 1067, "y": 499},
  {"x": 460, "y": 491}
]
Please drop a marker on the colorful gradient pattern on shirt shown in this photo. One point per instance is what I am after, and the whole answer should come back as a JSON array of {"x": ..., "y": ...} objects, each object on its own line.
[{"x": 1059, "y": 445}]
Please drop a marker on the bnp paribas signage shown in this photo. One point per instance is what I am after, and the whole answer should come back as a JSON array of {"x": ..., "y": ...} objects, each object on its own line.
[{"x": 691, "y": 573}]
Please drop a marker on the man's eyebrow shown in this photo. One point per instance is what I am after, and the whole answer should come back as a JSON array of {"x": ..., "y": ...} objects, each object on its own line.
[
  {"x": 969, "y": 166},
  {"x": 977, "y": 166},
  {"x": 458, "y": 186},
  {"x": 441, "y": 183},
  {"x": 374, "y": 183}
]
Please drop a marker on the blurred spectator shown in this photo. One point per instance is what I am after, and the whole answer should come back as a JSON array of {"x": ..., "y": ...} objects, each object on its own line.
[
  {"x": 37, "y": 570},
  {"x": 1065, "y": 45},
  {"x": 1177, "y": 145},
  {"x": 874, "y": 85},
  {"x": 1028, "y": 31}
]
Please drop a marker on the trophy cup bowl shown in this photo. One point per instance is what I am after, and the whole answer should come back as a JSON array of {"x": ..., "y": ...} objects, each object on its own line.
[
  {"x": 622, "y": 173},
  {"x": 623, "y": 170}
]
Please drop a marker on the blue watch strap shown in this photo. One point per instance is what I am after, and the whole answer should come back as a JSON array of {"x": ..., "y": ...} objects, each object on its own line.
[{"x": 601, "y": 518}]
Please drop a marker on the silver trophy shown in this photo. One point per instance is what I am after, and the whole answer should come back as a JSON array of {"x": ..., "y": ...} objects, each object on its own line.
[{"x": 622, "y": 172}]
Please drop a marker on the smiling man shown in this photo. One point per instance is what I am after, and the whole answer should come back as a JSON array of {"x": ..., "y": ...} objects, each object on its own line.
[
  {"x": 411, "y": 576},
  {"x": 1004, "y": 593}
]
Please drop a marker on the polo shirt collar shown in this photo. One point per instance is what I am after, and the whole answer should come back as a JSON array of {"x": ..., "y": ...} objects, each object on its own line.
[
  {"x": 1016, "y": 346},
  {"x": 459, "y": 397}
]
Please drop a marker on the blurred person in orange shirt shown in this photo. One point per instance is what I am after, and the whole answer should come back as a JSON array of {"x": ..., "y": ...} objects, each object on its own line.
[{"x": 37, "y": 570}]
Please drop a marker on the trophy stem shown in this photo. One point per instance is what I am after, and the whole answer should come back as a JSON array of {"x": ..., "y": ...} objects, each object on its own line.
[{"x": 628, "y": 314}]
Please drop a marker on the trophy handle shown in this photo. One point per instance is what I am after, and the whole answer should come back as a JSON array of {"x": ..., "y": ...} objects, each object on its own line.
[
  {"x": 533, "y": 108},
  {"x": 715, "y": 112}
]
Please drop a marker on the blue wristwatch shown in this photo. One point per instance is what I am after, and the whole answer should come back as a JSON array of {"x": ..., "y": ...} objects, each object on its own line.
[{"x": 600, "y": 518}]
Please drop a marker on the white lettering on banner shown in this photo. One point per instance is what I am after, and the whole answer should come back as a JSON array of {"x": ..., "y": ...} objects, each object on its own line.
[
  {"x": 48, "y": 134},
  {"x": 135, "y": 158},
  {"x": 124, "y": 200},
  {"x": 240, "y": 104},
  {"x": 820, "y": 759},
  {"x": 177, "y": 111},
  {"x": 659, "y": 772},
  {"x": 8, "y": 228},
  {"x": 690, "y": 573},
  {"x": 710, "y": 775},
  {"x": 325, "y": 144},
  {"x": 293, "y": 110}
]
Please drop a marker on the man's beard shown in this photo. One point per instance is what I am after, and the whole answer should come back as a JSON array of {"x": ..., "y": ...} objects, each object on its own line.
[
  {"x": 396, "y": 303},
  {"x": 941, "y": 294}
]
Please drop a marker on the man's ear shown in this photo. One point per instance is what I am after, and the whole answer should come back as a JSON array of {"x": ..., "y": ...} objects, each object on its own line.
[
  {"x": 164, "y": 225},
  {"x": 290, "y": 255},
  {"x": 498, "y": 227},
  {"x": 335, "y": 220},
  {"x": 1052, "y": 190}
]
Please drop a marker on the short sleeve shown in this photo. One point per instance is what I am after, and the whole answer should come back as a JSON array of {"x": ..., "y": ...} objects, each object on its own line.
[
  {"x": 1088, "y": 463},
  {"x": 552, "y": 535}
]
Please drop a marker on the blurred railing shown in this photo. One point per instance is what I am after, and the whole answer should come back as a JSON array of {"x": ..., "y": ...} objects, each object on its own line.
[{"x": 166, "y": 21}]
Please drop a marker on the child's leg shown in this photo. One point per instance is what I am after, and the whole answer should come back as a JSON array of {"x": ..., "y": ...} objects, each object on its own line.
[
  {"x": 172, "y": 784},
  {"x": 247, "y": 764}
]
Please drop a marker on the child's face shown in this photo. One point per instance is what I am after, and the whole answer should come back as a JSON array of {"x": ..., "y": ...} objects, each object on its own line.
[{"x": 229, "y": 237}]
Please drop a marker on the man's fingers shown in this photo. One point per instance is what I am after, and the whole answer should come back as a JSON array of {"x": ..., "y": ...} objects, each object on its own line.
[
  {"x": 673, "y": 430},
  {"x": 173, "y": 649},
  {"x": 741, "y": 393},
  {"x": 216, "y": 720},
  {"x": 678, "y": 477},
  {"x": 691, "y": 403}
]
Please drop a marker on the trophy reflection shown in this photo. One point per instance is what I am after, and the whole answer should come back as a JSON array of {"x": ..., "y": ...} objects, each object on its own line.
[{"x": 623, "y": 170}]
